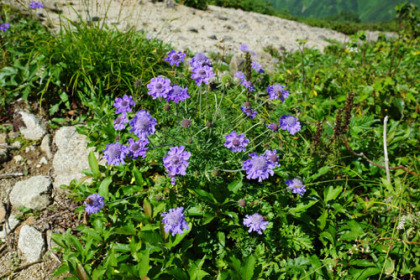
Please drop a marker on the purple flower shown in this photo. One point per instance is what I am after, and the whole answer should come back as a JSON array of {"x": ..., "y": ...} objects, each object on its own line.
[
  {"x": 296, "y": 186},
  {"x": 249, "y": 112},
  {"x": 176, "y": 162},
  {"x": 236, "y": 143},
  {"x": 137, "y": 148},
  {"x": 115, "y": 153},
  {"x": 277, "y": 91},
  {"x": 272, "y": 156},
  {"x": 4, "y": 26},
  {"x": 175, "y": 57},
  {"x": 175, "y": 221},
  {"x": 143, "y": 124},
  {"x": 258, "y": 167},
  {"x": 255, "y": 222},
  {"x": 200, "y": 59},
  {"x": 185, "y": 123},
  {"x": 289, "y": 123},
  {"x": 240, "y": 75},
  {"x": 273, "y": 126},
  {"x": 159, "y": 87},
  {"x": 124, "y": 104},
  {"x": 36, "y": 5},
  {"x": 247, "y": 84},
  {"x": 177, "y": 94},
  {"x": 94, "y": 203},
  {"x": 257, "y": 67},
  {"x": 121, "y": 121},
  {"x": 202, "y": 74},
  {"x": 244, "y": 48}
]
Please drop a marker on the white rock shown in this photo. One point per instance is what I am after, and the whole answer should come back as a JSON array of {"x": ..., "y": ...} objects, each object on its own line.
[
  {"x": 33, "y": 193},
  {"x": 43, "y": 160},
  {"x": 34, "y": 129},
  {"x": 45, "y": 146},
  {"x": 31, "y": 243},
  {"x": 71, "y": 156},
  {"x": 12, "y": 224},
  {"x": 17, "y": 144},
  {"x": 18, "y": 158}
]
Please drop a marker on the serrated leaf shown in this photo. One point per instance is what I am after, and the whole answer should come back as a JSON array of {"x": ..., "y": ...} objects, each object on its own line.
[
  {"x": 331, "y": 193},
  {"x": 248, "y": 268}
]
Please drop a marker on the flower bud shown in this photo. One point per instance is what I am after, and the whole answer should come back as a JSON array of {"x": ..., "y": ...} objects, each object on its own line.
[
  {"x": 215, "y": 173},
  {"x": 209, "y": 124},
  {"x": 242, "y": 202},
  {"x": 166, "y": 107},
  {"x": 186, "y": 123}
]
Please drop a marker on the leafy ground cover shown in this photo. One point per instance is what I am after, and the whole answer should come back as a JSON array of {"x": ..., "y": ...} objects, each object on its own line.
[{"x": 215, "y": 175}]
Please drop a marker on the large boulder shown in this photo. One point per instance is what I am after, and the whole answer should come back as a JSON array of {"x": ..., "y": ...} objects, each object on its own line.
[
  {"x": 34, "y": 193},
  {"x": 31, "y": 243}
]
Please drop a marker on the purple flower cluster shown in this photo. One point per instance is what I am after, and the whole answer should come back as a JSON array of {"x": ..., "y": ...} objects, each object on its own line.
[
  {"x": 175, "y": 221},
  {"x": 94, "y": 203},
  {"x": 124, "y": 104},
  {"x": 245, "y": 48},
  {"x": 202, "y": 74},
  {"x": 296, "y": 186},
  {"x": 36, "y": 5},
  {"x": 257, "y": 67},
  {"x": 137, "y": 148},
  {"x": 120, "y": 121},
  {"x": 277, "y": 91},
  {"x": 115, "y": 154},
  {"x": 143, "y": 124},
  {"x": 290, "y": 123},
  {"x": 249, "y": 112},
  {"x": 200, "y": 59},
  {"x": 247, "y": 84},
  {"x": 177, "y": 94},
  {"x": 273, "y": 126},
  {"x": 161, "y": 87},
  {"x": 236, "y": 143},
  {"x": 255, "y": 222},
  {"x": 4, "y": 26},
  {"x": 260, "y": 166},
  {"x": 176, "y": 162},
  {"x": 174, "y": 57}
]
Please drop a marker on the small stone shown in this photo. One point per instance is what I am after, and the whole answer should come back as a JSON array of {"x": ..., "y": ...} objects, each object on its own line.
[
  {"x": 31, "y": 243},
  {"x": 12, "y": 134},
  {"x": 33, "y": 129},
  {"x": 17, "y": 145},
  {"x": 2, "y": 213},
  {"x": 33, "y": 193},
  {"x": 13, "y": 222},
  {"x": 4, "y": 155},
  {"x": 213, "y": 37},
  {"x": 193, "y": 29},
  {"x": 227, "y": 38},
  {"x": 18, "y": 158},
  {"x": 43, "y": 160},
  {"x": 45, "y": 146},
  {"x": 95, "y": 18},
  {"x": 3, "y": 138},
  {"x": 222, "y": 17},
  {"x": 237, "y": 63}
]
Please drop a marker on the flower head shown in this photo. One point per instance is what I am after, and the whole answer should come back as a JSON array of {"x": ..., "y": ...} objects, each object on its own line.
[
  {"x": 240, "y": 75},
  {"x": 94, "y": 203},
  {"x": 177, "y": 94},
  {"x": 244, "y": 48},
  {"x": 247, "y": 84},
  {"x": 249, "y": 112},
  {"x": 236, "y": 143},
  {"x": 200, "y": 59},
  {"x": 296, "y": 186},
  {"x": 202, "y": 74},
  {"x": 36, "y": 5},
  {"x": 272, "y": 156},
  {"x": 143, "y": 124},
  {"x": 273, "y": 126},
  {"x": 4, "y": 26},
  {"x": 124, "y": 104},
  {"x": 137, "y": 148},
  {"x": 176, "y": 162},
  {"x": 175, "y": 57},
  {"x": 121, "y": 121},
  {"x": 175, "y": 221},
  {"x": 258, "y": 167},
  {"x": 277, "y": 91},
  {"x": 255, "y": 222},
  {"x": 159, "y": 87},
  {"x": 257, "y": 67},
  {"x": 115, "y": 153},
  {"x": 185, "y": 123},
  {"x": 290, "y": 123}
]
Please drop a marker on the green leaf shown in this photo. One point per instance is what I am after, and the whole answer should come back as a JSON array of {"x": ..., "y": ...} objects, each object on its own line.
[
  {"x": 248, "y": 268},
  {"x": 147, "y": 207},
  {"x": 235, "y": 186},
  {"x": 144, "y": 263},
  {"x": 62, "y": 269},
  {"x": 104, "y": 187},
  {"x": 331, "y": 194},
  {"x": 301, "y": 207},
  {"x": 138, "y": 177},
  {"x": 93, "y": 164},
  {"x": 322, "y": 220}
]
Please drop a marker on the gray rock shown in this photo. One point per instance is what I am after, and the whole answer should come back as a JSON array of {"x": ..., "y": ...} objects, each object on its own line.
[
  {"x": 2, "y": 213},
  {"x": 4, "y": 151},
  {"x": 213, "y": 37},
  {"x": 227, "y": 38},
  {"x": 43, "y": 160},
  {"x": 45, "y": 146},
  {"x": 12, "y": 223},
  {"x": 31, "y": 243},
  {"x": 33, "y": 129},
  {"x": 237, "y": 63},
  {"x": 193, "y": 29},
  {"x": 18, "y": 158},
  {"x": 71, "y": 156},
  {"x": 222, "y": 17},
  {"x": 17, "y": 145},
  {"x": 33, "y": 193}
]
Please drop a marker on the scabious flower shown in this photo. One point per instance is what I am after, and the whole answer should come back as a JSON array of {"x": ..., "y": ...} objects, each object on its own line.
[
  {"x": 124, "y": 104},
  {"x": 247, "y": 84},
  {"x": 175, "y": 221},
  {"x": 236, "y": 143},
  {"x": 272, "y": 156},
  {"x": 94, "y": 203},
  {"x": 4, "y": 26},
  {"x": 296, "y": 186},
  {"x": 175, "y": 57},
  {"x": 249, "y": 112},
  {"x": 240, "y": 75},
  {"x": 137, "y": 148},
  {"x": 36, "y": 5},
  {"x": 255, "y": 222},
  {"x": 277, "y": 91},
  {"x": 121, "y": 121},
  {"x": 273, "y": 126},
  {"x": 258, "y": 167},
  {"x": 177, "y": 94},
  {"x": 185, "y": 123},
  {"x": 244, "y": 48},
  {"x": 202, "y": 74},
  {"x": 143, "y": 124},
  {"x": 176, "y": 162},
  {"x": 115, "y": 154},
  {"x": 257, "y": 67},
  {"x": 200, "y": 59},
  {"x": 159, "y": 87},
  {"x": 290, "y": 123}
]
